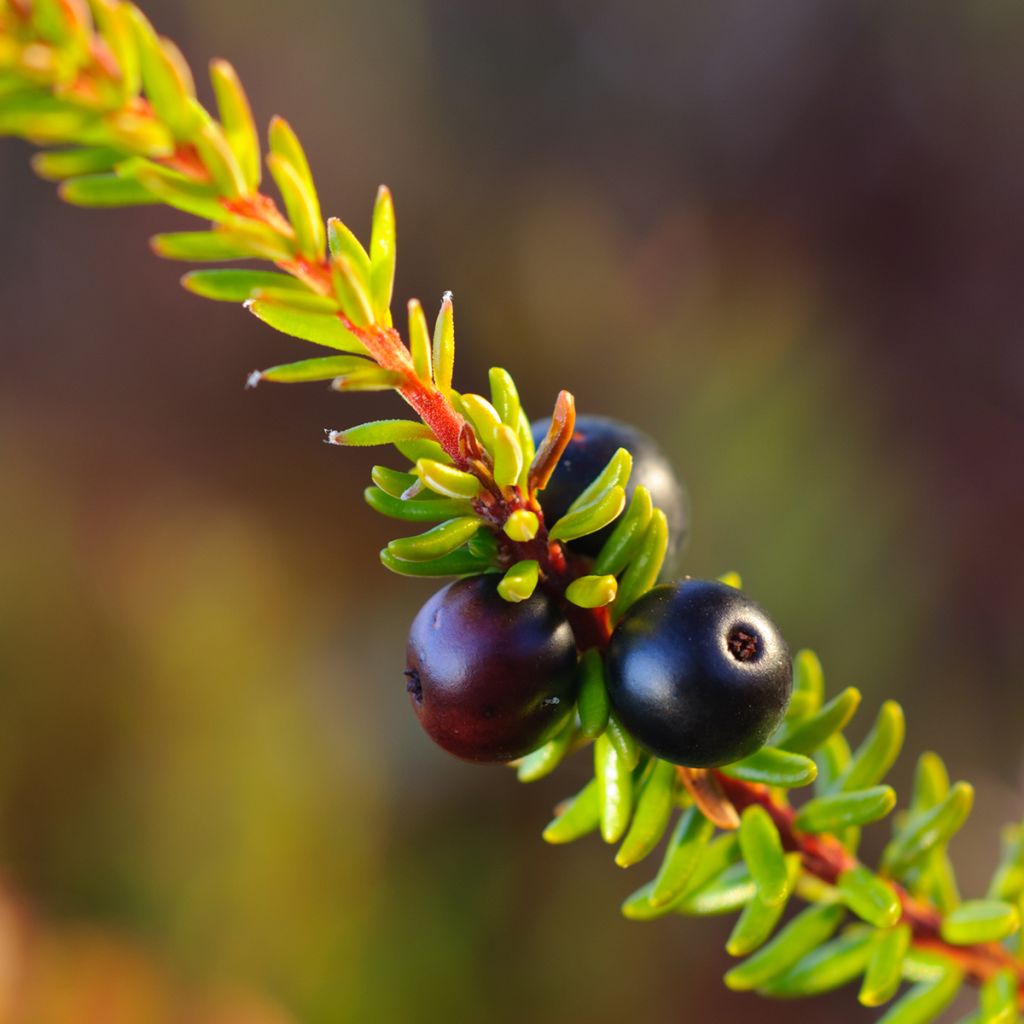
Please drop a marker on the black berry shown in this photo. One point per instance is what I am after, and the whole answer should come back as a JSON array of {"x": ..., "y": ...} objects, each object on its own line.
[
  {"x": 594, "y": 441},
  {"x": 490, "y": 680},
  {"x": 698, "y": 673}
]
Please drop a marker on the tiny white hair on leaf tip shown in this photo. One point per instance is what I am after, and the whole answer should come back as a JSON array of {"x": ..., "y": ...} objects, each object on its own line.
[
  {"x": 447, "y": 297},
  {"x": 332, "y": 436},
  {"x": 253, "y": 379},
  {"x": 248, "y": 304}
]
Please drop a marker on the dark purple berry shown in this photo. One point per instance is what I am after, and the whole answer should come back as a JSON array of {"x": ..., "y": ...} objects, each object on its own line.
[
  {"x": 490, "y": 680},
  {"x": 594, "y": 441},
  {"x": 698, "y": 673}
]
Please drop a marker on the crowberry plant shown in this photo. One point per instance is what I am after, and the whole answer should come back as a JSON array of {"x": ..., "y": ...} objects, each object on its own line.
[{"x": 680, "y": 695}]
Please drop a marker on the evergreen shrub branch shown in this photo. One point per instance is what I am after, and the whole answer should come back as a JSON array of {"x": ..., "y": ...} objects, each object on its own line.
[{"x": 112, "y": 105}]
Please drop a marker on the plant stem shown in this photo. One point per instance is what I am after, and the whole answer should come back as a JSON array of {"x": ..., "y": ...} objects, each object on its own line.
[{"x": 824, "y": 857}]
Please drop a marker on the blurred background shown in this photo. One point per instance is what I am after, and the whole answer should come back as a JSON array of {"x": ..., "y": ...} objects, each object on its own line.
[{"x": 786, "y": 239}]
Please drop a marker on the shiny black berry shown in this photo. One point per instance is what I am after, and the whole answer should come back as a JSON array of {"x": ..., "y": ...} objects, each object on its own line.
[
  {"x": 594, "y": 441},
  {"x": 698, "y": 673},
  {"x": 490, "y": 680}
]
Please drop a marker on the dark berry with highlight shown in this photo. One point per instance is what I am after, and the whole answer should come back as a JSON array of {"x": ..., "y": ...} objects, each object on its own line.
[
  {"x": 595, "y": 440},
  {"x": 490, "y": 681},
  {"x": 699, "y": 673}
]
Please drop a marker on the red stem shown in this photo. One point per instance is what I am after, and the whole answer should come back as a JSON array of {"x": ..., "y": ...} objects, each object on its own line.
[{"x": 826, "y": 858}]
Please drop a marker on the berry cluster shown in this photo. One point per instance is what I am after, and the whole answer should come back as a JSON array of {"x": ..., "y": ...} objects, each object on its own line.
[{"x": 695, "y": 671}]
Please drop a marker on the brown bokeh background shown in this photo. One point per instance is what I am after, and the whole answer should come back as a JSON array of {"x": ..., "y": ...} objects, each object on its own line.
[{"x": 787, "y": 239}]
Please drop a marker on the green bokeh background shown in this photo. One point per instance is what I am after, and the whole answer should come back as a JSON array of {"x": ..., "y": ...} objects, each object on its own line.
[{"x": 786, "y": 239}]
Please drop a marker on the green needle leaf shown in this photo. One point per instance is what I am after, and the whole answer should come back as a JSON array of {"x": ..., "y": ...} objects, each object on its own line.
[
  {"x": 808, "y": 686},
  {"x": 884, "y": 972},
  {"x": 841, "y": 810},
  {"x": 620, "y": 547},
  {"x": 379, "y": 432},
  {"x": 1008, "y": 880},
  {"x": 806, "y": 932},
  {"x": 199, "y": 246},
  {"x": 615, "y": 474},
  {"x": 508, "y": 456},
  {"x": 436, "y": 542},
  {"x": 999, "y": 998},
  {"x": 615, "y": 788},
  {"x": 805, "y": 737},
  {"x": 444, "y": 346},
  {"x": 116, "y": 29},
  {"x": 758, "y": 920},
  {"x": 285, "y": 144},
  {"x": 382, "y": 256},
  {"x": 319, "y": 328},
  {"x": 307, "y": 370},
  {"x": 302, "y": 206},
  {"x": 544, "y": 760},
  {"x": 653, "y": 810},
  {"x": 447, "y": 480},
  {"x": 99, "y": 191},
  {"x": 926, "y": 1001},
  {"x": 396, "y": 483},
  {"x": 236, "y": 116},
  {"x": 876, "y": 755},
  {"x": 869, "y": 897},
  {"x": 519, "y": 583},
  {"x": 624, "y": 742},
  {"x": 580, "y": 816},
  {"x": 428, "y": 511},
  {"x": 368, "y": 378},
  {"x": 732, "y": 889},
  {"x": 56, "y": 165},
  {"x": 483, "y": 417},
  {"x": 219, "y": 159},
  {"x": 343, "y": 243},
  {"x": 770, "y": 766},
  {"x": 529, "y": 450},
  {"x": 828, "y": 967},
  {"x": 929, "y": 829},
  {"x": 687, "y": 843},
  {"x": 419, "y": 343},
  {"x": 718, "y": 855},
  {"x": 505, "y": 397},
  {"x": 980, "y": 921},
  {"x": 931, "y": 782},
  {"x": 458, "y": 563},
  {"x": 301, "y": 299},
  {"x": 832, "y": 758},
  {"x": 592, "y": 703},
  {"x": 165, "y": 76},
  {"x": 351, "y": 292},
  {"x": 645, "y": 565},
  {"x": 589, "y": 519},
  {"x": 423, "y": 448},
  {"x": 238, "y": 285},
  {"x": 592, "y": 591},
  {"x": 259, "y": 240},
  {"x": 483, "y": 544},
  {"x": 762, "y": 850},
  {"x": 174, "y": 189}
]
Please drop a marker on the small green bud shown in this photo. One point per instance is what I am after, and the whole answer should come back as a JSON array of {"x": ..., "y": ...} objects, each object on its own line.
[{"x": 522, "y": 525}]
